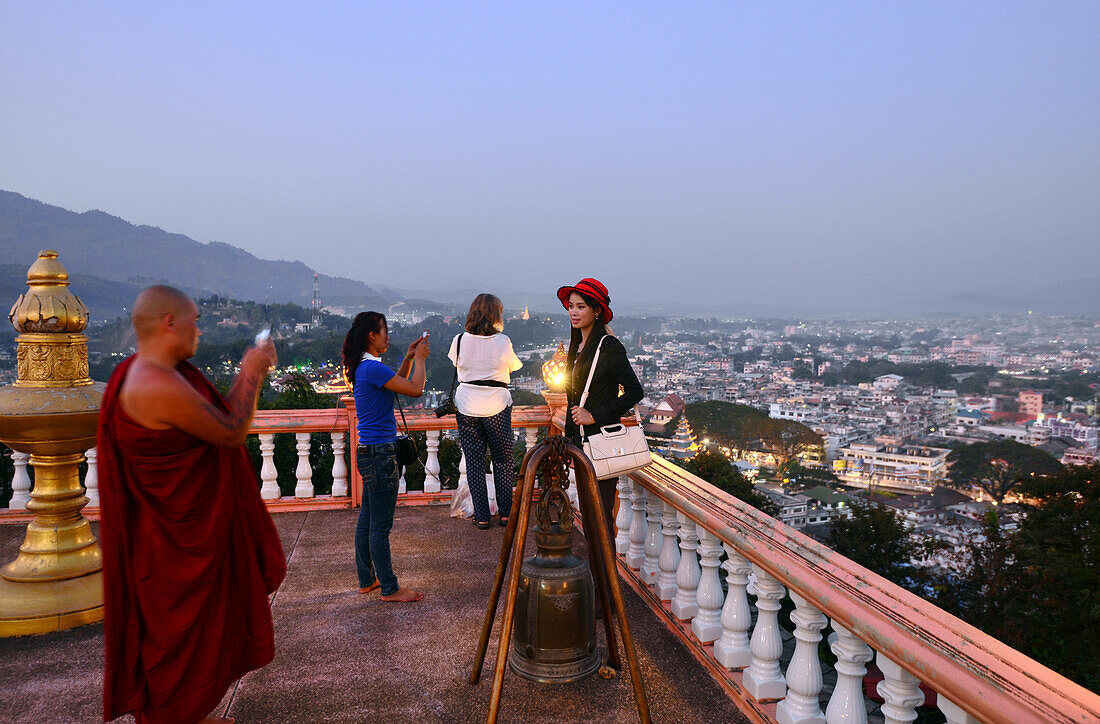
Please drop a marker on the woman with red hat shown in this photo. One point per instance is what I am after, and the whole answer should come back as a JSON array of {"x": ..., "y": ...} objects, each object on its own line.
[{"x": 615, "y": 388}]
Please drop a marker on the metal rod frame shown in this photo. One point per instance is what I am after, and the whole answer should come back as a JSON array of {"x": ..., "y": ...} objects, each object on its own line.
[{"x": 601, "y": 560}]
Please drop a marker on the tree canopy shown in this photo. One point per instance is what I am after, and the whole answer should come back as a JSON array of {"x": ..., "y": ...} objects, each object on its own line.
[
  {"x": 875, "y": 537},
  {"x": 999, "y": 466},
  {"x": 1035, "y": 588},
  {"x": 741, "y": 427},
  {"x": 716, "y": 469}
]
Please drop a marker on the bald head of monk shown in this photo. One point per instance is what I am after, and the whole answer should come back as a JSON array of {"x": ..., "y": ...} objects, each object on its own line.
[{"x": 165, "y": 316}]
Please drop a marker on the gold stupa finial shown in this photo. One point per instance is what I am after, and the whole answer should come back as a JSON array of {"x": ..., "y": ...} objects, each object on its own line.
[
  {"x": 48, "y": 305},
  {"x": 52, "y": 352}
]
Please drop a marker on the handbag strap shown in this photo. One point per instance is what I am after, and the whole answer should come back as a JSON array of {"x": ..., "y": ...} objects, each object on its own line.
[
  {"x": 458, "y": 352},
  {"x": 397, "y": 398},
  {"x": 592, "y": 371}
]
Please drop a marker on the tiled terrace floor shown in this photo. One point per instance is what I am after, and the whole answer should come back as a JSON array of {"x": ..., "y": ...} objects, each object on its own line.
[{"x": 342, "y": 657}]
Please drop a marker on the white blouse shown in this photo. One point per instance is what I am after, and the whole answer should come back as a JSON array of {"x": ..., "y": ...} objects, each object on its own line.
[{"x": 483, "y": 358}]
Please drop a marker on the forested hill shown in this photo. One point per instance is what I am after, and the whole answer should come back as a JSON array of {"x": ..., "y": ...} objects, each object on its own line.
[{"x": 97, "y": 244}]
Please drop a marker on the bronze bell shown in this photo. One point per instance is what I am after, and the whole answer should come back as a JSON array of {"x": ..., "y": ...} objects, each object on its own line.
[{"x": 554, "y": 636}]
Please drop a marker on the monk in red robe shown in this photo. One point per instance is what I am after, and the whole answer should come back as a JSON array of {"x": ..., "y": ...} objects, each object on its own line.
[{"x": 190, "y": 553}]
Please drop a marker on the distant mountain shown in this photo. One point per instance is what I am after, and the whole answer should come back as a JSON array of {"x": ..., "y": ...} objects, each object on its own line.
[{"x": 100, "y": 245}]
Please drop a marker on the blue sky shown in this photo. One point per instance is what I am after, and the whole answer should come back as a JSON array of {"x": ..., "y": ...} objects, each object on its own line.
[{"x": 708, "y": 152}]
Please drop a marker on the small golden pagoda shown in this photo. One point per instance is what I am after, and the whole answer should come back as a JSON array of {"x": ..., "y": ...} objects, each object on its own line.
[{"x": 50, "y": 412}]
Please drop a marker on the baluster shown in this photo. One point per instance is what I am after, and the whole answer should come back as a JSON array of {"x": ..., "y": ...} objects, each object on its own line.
[
  {"x": 491, "y": 490},
  {"x": 91, "y": 479},
  {"x": 732, "y": 648},
  {"x": 339, "y": 467},
  {"x": 304, "y": 471},
  {"x": 431, "y": 466},
  {"x": 20, "y": 482},
  {"x": 531, "y": 435},
  {"x": 687, "y": 573},
  {"x": 635, "y": 555},
  {"x": 764, "y": 679},
  {"x": 669, "y": 559},
  {"x": 652, "y": 547},
  {"x": 268, "y": 474},
  {"x": 463, "y": 481},
  {"x": 804, "y": 672},
  {"x": 846, "y": 704},
  {"x": 624, "y": 516},
  {"x": 571, "y": 491},
  {"x": 953, "y": 712},
  {"x": 707, "y": 625},
  {"x": 900, "y": 689},
  {"x": 402, "y": 485}
]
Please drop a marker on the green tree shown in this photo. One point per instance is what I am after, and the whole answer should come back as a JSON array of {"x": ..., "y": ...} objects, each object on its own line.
[
  {"x": 716, "y": 469},
  {"x": 1035, "y": 588},
  {"x": 875, "y": 537},
  {"x": 998, "y": 467}
]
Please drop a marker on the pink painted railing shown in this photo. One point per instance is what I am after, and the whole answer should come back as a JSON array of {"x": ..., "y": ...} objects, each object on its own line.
[{"x": 672, "y": 529}]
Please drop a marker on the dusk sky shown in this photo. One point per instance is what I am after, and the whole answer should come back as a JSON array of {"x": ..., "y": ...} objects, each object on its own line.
[{"x": 707, "y": 152}]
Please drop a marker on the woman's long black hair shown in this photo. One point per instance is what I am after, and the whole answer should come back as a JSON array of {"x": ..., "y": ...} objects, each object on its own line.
[
  {"x": 355, "y": 341},
  {"x": 594, "y": 337}
]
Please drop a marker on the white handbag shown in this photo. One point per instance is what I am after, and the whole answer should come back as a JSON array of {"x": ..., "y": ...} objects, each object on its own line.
[{"x": 616, "y": 449}]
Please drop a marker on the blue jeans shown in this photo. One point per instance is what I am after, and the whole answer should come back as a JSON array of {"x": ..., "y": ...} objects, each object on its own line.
[{"x": 378, "y": 467}]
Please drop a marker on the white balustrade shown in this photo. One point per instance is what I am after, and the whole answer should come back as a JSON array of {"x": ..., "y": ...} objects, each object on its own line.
[
  {"x": 846, "y": 704},
  {"x": 304, "y": 471},
  {"x": 687, "y": 573},
  {"x": 669, "y": 559},
  {"x": 269, "y": 476},
  {"x": 732, "y": 649},
  {"x": 431, "y": 466},
  {"x": 624, "y": 516},
  {"x": 339, "y": 467},
  {"x": 635, "y": 555},
  {"x": 20, "y": 482},
  {"x": 707, "y": 625},
  {"x": 802, "y": 706},
  {"x": 954, "y": 713},
  {"x": 531, "y": 435},
  {"x": 652, "y": 546},
  {"x": 463, "y": 481},
  {"x": 91, "y": 479},
  {"x": 764, "y": 679},
  {"x": 900, "y": 690}
]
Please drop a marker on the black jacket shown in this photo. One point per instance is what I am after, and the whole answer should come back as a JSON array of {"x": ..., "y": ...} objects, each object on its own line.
[{"x": 604, "y": 402}]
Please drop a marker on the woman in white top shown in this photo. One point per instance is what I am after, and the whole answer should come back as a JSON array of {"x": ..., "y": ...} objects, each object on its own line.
[{"x": 485, "y": 360}]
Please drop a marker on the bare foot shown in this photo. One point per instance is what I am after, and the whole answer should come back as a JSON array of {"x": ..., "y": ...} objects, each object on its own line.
[
  {"x": 372, "y": 587},
  {"x": 403, "y": 595}
]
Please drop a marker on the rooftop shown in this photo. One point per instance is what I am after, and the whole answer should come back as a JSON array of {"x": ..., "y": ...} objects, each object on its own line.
[{"x": 343, "y": 657}]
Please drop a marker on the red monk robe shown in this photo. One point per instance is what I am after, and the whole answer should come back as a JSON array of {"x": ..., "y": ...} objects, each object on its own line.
[{"x": 190, "y": 555}]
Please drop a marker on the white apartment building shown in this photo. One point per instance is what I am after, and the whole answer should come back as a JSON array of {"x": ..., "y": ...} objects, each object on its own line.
[{"x": 895, "y": 464}]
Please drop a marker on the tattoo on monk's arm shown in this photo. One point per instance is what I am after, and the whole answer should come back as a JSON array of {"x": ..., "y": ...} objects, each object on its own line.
[{"x": 242, "y": 400}]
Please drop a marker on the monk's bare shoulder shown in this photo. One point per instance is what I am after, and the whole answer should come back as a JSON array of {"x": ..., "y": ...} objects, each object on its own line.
[{"x": 149, "y": 391}]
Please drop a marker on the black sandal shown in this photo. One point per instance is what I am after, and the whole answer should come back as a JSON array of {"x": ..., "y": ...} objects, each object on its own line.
[
  {"x": 483, "y": 525},
  {"x": 503, "y": 522}
]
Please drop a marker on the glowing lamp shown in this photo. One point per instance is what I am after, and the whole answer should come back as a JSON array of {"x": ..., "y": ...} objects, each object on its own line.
[{"x": 553, "y": 370}]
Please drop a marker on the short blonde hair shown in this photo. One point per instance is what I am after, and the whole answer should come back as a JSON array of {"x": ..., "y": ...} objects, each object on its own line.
[{"x": 486, "y": 315}]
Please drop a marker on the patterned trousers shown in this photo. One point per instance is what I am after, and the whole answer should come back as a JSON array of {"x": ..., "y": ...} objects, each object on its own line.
[{"x": 475, "y": 435}]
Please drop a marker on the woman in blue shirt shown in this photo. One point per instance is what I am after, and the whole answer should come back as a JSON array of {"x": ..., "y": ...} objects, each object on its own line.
[{"x": 374, "y": 385}]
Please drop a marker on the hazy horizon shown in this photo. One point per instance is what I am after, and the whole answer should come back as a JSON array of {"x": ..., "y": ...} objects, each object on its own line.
[{"x": 804, "y": 155}]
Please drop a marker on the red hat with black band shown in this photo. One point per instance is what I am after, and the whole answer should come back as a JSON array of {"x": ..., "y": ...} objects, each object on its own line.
[{"x": 594, "y": 290}]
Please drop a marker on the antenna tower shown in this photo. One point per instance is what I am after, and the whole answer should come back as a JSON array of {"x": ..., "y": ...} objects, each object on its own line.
[{"x": 315, "y": 306}]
